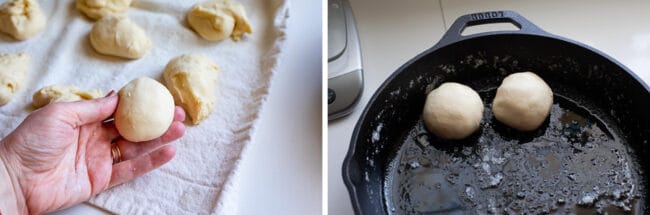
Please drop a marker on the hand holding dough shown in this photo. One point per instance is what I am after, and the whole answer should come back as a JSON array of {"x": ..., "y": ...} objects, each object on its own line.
[
  {"x": 21, "y": 18},
  {"x": 523, "y": 101},
  {"x": 13, "y": 69},
  {"x": 453, "y": 111},
  {"x": 97, "y": 9},
  {"x": 192, "y": 79},
  {"x": 217, "y": 19},
  {"x": 145, "y": 110},
  {"x": 118, "y": 36},
  {"x": 62, "y": 93}
]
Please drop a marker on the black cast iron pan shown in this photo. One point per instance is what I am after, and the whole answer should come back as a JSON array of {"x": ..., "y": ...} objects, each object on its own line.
[{"x": 590, "y": 156}]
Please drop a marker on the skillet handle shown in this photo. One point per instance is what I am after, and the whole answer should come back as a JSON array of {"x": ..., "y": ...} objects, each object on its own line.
[{"x": 502, "y": 16}]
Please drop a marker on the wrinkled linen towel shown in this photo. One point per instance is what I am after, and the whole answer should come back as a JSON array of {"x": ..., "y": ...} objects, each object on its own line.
[{"x": 200, "y": 179}]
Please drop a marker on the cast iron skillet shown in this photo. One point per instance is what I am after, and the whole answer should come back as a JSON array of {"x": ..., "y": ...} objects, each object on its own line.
[{"x": 590, "y": 155}]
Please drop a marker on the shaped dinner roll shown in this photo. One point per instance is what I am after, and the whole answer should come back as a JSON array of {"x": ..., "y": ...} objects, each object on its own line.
[
  {"x": 97, "y": 9},
  {"x": 218, "y": 19},
  {"x": 145, "y": 110},
  {"x": 13, "y": 69},
  {"x": 192, "y": 80},
  {"x": 116, "y": 35},
  {"x": 62, "y": 93},
  {"x": 452, "y": 111},
  {"x": 523, "y": 101},
  {"x": 21, "y": 18}
]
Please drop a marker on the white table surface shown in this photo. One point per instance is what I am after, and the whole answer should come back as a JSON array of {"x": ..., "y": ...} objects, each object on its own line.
[
  {"x": 281, "y": 171},
  {"x": 392, "y": 32}
]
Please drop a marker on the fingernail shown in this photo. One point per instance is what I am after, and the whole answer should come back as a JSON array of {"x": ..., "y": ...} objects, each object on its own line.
[{"x": 110, "y": 93}]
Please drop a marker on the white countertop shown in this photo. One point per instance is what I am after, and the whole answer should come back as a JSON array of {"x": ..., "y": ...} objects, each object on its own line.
[
  {"x": 392, "y": 32},
  {"x": 281, "y": 171}
]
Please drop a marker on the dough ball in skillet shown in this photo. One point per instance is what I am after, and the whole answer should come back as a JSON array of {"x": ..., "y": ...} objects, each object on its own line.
[
  {"x": 452, "y": 111},
  {"x": 523, "y": 101}
]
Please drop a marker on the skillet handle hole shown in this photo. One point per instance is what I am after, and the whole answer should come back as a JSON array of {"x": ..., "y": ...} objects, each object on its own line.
[{"x": 475, "y": 28}]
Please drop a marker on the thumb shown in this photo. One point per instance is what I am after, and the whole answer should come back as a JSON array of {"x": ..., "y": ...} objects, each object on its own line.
[{"x": 90, "y": 111}]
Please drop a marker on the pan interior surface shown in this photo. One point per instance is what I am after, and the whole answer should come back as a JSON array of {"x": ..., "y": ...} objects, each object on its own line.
[
  {"x": 579, "y": 160},
  {"x": 574, "y": 164}
]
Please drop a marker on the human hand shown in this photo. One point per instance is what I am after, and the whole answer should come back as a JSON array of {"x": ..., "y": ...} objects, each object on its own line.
[{"x": 60, "y": 155}]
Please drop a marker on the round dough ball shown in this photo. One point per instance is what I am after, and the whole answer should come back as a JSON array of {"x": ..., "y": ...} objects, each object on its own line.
[
  {"x": 97, "y": 9},
  {"x": 453, "y": 111},
  {"x": 116, "y": 35},
  {"x": 192, "y": 80},
  {"x": 523, "y": 101},
  {"x": 145, "y": 110},
  {"x": 217, "y": 19},
  {"x": 21, "y": 18}
]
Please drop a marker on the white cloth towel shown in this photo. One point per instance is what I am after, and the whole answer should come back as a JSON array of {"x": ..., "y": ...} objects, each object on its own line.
[{"x": 199, "y": 180}]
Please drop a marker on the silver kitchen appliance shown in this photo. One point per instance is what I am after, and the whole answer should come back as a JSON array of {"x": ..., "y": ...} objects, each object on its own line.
[{"x": 345, "y": 70}]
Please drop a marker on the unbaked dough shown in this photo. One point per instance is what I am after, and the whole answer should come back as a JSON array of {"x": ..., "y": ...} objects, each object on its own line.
[
  {"x": 13, "y": 69},
  {"x": 62, "y": 93},
  {"x": 523, "y": 101},
  {"x": 192, "y": 79},
  {"x": 218, "y": 19},
  {"x": 21, "y": 18},
  {"x": 453, "y": 111},
  {"x": 116, "y": 35},
  {"x": 97, "y": 9},
  {"x": 145, "y": 110}
]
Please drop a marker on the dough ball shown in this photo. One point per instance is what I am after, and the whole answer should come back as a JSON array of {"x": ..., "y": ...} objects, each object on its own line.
[
  {"x": 13, "y": 69},
  {"x": 118, "y": 36},
  {"x": 145, "y": 110},
  {"x": 218, "y": 19},
  {"x": 62, "y": 93},
  {"x": 21, "y": 18},
  {"x": 97, "y": 9},
  {"x": 523, "y": 101},
  {"x": 192, "y": 79},
  {"x": 453, "y": 111}
]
